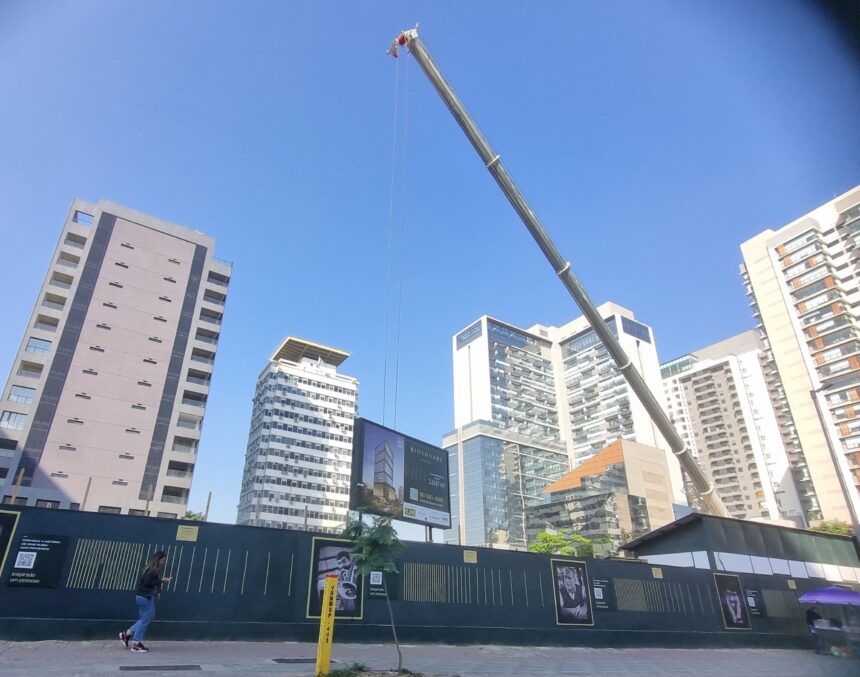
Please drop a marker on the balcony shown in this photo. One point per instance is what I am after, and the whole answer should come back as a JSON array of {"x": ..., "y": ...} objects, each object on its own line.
[
  {"x": 54, "y": 302},
  {"x": 184, "y": 445}
]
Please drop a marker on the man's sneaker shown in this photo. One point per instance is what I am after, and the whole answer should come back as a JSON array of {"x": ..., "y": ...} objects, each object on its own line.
[
  {"x": 138, "y": 647},
  {"x": 124, "y": 637}
]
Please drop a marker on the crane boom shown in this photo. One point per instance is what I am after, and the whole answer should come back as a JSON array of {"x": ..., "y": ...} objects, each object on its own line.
[{"x": 702, "y": 487}]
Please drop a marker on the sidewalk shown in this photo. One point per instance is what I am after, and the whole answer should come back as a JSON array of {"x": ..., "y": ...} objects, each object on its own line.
[{"x": 85, "y": 659}]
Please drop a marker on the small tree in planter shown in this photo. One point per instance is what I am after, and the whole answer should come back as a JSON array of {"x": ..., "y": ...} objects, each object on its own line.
[{"x": 376, "y": 548}]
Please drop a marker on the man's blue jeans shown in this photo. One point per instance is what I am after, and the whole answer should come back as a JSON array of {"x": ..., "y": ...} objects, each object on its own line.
[{"x": 145, "y": 614}]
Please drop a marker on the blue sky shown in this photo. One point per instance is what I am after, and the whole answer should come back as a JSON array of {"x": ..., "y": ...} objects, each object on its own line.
[{"x": 651, "y": 138}]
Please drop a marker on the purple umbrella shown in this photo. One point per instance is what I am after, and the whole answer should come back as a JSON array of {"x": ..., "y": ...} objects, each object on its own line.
[{"x": 832, "y": 594}]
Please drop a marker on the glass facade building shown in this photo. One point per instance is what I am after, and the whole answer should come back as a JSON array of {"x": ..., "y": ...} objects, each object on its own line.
[{"x": 495, "y": 475}]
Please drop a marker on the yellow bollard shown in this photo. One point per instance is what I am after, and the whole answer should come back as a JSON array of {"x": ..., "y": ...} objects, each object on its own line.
[{"x": 326, "y": 625}]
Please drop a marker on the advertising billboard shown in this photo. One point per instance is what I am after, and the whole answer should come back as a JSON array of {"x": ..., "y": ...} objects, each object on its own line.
[{"x": 397, "y": 476}]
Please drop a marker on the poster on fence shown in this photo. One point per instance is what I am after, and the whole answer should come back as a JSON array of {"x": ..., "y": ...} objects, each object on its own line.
[
  {"x": 572, "y": 592},
  {"x": 38, "y": 562},
  {"x": 8, "y": 521},
  {"x": 334, "y": 556},
  {"x": 732, "y": 603}
]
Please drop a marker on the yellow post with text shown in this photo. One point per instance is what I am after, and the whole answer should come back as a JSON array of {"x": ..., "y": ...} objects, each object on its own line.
[{"x": 326, "y": 626}]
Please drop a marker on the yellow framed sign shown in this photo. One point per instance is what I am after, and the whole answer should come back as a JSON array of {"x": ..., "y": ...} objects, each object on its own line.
[{"x": 8, "y": 524}]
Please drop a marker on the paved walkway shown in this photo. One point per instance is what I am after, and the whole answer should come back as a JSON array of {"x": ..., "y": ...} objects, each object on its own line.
[{"x": 86, "y": 659}]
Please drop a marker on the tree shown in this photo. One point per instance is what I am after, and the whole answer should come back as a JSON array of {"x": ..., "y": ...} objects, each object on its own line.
[
  {"x": 560, "y": 543},
  {"x": 376, "y": 548},
  {"x": 834, "y": 527},
  {"x": 193, "y": 516}
]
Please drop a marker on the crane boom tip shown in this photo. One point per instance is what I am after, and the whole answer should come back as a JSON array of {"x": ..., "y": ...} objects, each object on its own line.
[{"x": 402, "y": 40}]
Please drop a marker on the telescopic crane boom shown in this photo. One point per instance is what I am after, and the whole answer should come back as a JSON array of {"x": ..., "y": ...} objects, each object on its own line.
[{"x": 703, "y": 488}]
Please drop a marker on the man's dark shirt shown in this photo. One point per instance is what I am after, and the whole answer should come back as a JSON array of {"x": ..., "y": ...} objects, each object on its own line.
[{"x": 811, "y": 616}]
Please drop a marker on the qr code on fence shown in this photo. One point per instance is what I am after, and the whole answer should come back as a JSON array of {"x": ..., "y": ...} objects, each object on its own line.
[
  {"x": 376, "y": 578},
  {"x": 25, "y": 560}
]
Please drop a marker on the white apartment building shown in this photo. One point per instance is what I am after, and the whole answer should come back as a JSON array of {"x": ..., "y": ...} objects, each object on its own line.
[
  {"x": 298, "y": 460},
  {"x": 803, "y": 286},
  {"x": 559, "y": 384},
  {"x": 104, "y": 405},
  {"x": 719, "y": 401}
]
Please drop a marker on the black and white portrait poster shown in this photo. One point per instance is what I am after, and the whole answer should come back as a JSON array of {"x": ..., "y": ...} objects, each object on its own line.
[
  {"x": 332, "y": 556},
  {"x": 572, "y": 593},
  {"x": 732, "y": 603}
]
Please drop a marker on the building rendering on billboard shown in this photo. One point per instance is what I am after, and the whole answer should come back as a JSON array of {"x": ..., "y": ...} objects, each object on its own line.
[{"x": 397, "y": 476}]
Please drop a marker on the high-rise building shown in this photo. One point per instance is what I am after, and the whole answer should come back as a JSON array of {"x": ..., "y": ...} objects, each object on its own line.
[
  {"x": 559, "y": 384},
  {"x": 105, "y": 401},
  {"x": 495, "y": 475},
  {"x": 802, "y": 281},
  {"x": 297, "y": 464},
  {"x": 719, "y": 401},
  {"x": 619, "y": 493}
]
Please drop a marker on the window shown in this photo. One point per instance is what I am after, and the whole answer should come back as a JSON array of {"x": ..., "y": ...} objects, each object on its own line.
[
  {"x": 149, "y": 360},
  {"x": 41, "y": 503},
  {"x": 54, "y": 302},
  {"x": 167, "y": 515},
  {"x": 120, "y": 483},
  {"x": 90, "y": 372},
  {"x": 115, "y": 284},
  {"x": 75, "y": 420},
  {"x": 61, "y": 280},
  {"x": 18, "y": 501},
  {"x": 135, "y": 511},
  {"x": 59, "y": 473},
  {"x": 145, "y": 384},
  {"x": 97, "y": 349},
  {"x": 159, "y": 318},
  {"x": 67, "y": 447},
  {"x": 176, "y": 261},
  {"x": 102, "y": 325},
  {"x": 74, "y": 506},
  {"x": 83, "y": 217},
  {"x": 46, "y": 323},
  {"x": 21, "y": 394},
  {"x": 169, "y": 279},
  {"x": 165, "y": 298},
  {"x": 13, "y": 420},
  {"x": 125, "y": 456},
  {"x": 155, "y": 339},
  {"x": 110, "y": 509},
  {"x": 11, "y": 445},
  {"x": 127, "y": 245},
  {"x": 75, "y": 240},
  {"x": 109, "y": 304},
  {"x": 138, "y": 406},
  {"x": 38, "y": 346},
  {"x": 121, "y": 264},
  {"x": 68, "y": 260}
]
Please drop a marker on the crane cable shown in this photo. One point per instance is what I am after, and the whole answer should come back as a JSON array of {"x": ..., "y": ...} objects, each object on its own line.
[
  {"x": 390, "y": 232},
  {"x": 402, "y": 243}
]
